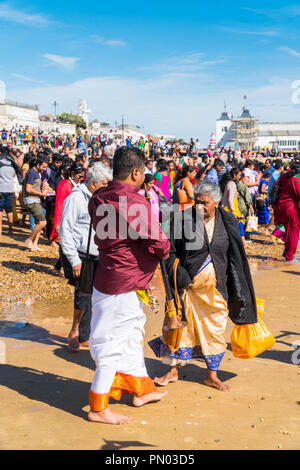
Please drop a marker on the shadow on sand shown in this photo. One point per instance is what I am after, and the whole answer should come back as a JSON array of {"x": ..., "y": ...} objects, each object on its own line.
[
  {"x": 52, "y": 389},
  {"x": 119, "y": 445},
  {"x": 29, "y": 332},
  {"x": 24, "y": 267}
]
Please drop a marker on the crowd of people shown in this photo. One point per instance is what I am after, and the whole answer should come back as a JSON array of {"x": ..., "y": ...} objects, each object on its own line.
[{"x": 63, "y": 191}]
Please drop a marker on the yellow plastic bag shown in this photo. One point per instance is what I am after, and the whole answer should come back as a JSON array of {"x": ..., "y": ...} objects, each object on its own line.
[{"x": 251, "y": 340}]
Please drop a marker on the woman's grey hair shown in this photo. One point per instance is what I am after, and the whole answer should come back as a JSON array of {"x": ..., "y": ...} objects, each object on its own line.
[
  {"x": 97, "y": 173},
  {"x": 209, "y": 188}
]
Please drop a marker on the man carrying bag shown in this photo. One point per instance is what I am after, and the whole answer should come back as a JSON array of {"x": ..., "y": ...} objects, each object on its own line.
[{"x": 76, "y": 239}]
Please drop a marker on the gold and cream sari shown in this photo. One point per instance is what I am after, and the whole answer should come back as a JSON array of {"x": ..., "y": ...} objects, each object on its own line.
[{"x": 207, "y": 313}]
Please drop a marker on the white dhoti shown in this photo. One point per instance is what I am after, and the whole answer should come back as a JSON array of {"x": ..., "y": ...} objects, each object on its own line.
[{"x": 117, "y": 347}]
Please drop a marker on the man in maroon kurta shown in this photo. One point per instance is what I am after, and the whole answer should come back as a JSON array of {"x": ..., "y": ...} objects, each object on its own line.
[{"x": 130, "y": 244}]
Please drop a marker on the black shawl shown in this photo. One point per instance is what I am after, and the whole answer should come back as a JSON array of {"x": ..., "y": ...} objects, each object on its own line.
[{"x": 234, "y": 279}]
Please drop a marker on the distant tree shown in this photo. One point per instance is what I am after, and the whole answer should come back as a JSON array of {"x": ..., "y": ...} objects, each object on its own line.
[
  {"x": 72, "y": 119},
  {"x": 104, "y": 124}
]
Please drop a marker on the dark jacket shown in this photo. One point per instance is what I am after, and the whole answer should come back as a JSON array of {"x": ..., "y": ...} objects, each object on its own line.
[{"x": 233, "y": 275}]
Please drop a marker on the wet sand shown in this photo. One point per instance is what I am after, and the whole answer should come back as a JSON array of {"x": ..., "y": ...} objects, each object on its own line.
[{"x": 44, "y": 387}]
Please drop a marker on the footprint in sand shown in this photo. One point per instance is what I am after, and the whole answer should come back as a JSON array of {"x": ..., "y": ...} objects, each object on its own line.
[{"x": 189, "y": 440}]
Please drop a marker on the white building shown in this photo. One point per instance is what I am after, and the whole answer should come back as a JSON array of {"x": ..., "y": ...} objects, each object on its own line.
[
  {"x": 278, "y": 136},
  {"x": 223, "y": 126},
  {"x": 83, "y": 111},
  {"x": 14, "y": 114}
]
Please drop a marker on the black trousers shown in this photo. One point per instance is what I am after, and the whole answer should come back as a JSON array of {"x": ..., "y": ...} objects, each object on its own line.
[
  {"x": 81, "y": 301},
  {"x": 50, "y": 206}
]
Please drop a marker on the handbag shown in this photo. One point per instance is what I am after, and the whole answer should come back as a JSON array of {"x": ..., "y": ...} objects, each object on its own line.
[
  {"x": 165, "y": 209},
  {"x": 252, "y": 224},
  {"x": 88, "y": 268},
  {"x": 250, "y": 340},
  {"x": 183, "y": 198},
  {"x": 173, "y": 324}
]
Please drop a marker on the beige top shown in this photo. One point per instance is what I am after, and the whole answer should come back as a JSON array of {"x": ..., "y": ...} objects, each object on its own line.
[{"x": 210, "y": 228}]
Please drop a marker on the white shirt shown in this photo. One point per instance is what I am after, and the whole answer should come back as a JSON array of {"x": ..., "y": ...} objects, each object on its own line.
[{"x": 161, "y": 143}]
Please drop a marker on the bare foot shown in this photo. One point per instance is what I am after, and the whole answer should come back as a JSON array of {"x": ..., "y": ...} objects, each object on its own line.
[
  {"x": 59, "y": 272},
  {"x": 73, "y": 340},
  {"x": 248, "y": 246},
  {"x": 53, "y": 244},
  {"x": 84, "y": 344},
  {"x": 38, "y": 248},
  {"x": 170, "y": 376},
  {"x": 30, "y": 245},
  {"x": 265, "y": 231},
  {"x": 108, "y": 417},
  {"x": 150, "y": 397},
  {"x": 216, "y": 383}
]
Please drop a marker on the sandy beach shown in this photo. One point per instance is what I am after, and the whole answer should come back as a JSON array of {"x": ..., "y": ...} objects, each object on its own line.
[{"x": 44, "y": 387}]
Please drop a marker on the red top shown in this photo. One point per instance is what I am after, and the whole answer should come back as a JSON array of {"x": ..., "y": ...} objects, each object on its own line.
[
  {"x": 63, "y": 190},
  {"x": 126, "y": 263}
]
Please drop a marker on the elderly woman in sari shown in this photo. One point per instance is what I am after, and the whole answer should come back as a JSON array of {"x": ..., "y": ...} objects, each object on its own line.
[{"x": 214, "y": 281}]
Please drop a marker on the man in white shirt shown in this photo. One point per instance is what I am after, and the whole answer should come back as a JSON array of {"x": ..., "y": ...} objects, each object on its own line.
[
  {"x": 74, "y": 233},
  {"x": 161, "y": 142},
  {"x": 149, "y": 167}
]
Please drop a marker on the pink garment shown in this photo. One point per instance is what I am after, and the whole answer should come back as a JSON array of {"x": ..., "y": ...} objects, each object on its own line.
[
  {"x": 251, "y": 176},
  {"x": 164, "y": 185},
  {"x": 154, "y": 201}
]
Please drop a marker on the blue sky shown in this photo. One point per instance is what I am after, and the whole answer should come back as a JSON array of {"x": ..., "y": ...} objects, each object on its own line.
[{"x": 166, "y": 66}]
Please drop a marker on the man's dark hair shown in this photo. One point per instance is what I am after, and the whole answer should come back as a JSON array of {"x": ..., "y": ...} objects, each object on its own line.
[
  {"x": 249, "y": 163},
  {"x": 67, "y": 160},
  {"x": 218, "y": 162},
  {"x": 41, "y": 159},
  {"x": 57, "y": 157},
  {"x": 28, "y": 157},
  {"x": 125, "y": 160},
  {"x": 79, "y": 158},
  {"x": 42, "y": 155},
  {"x": 278, "y": 164},
  {"x": 75, "y": 168},
  {"x": 13, "y": 151}
]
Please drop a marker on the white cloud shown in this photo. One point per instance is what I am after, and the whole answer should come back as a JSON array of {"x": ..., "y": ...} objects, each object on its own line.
[
  {"x": 290, "y": 51},
  {"x": 168, "y": 104},
  {"x": 66, "y": 62},
  {"x": 97, "y": 39},
  {"x": 14, "y": 15},
  {"x": 288, "y": 10},
  {"x": 108, "y": 42},
  {"x": 188, "y": 64},
  {"x": 26, "y": 79},
  {"x": 254, "y": 33},
  {"x": 114, "y": 43}
]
